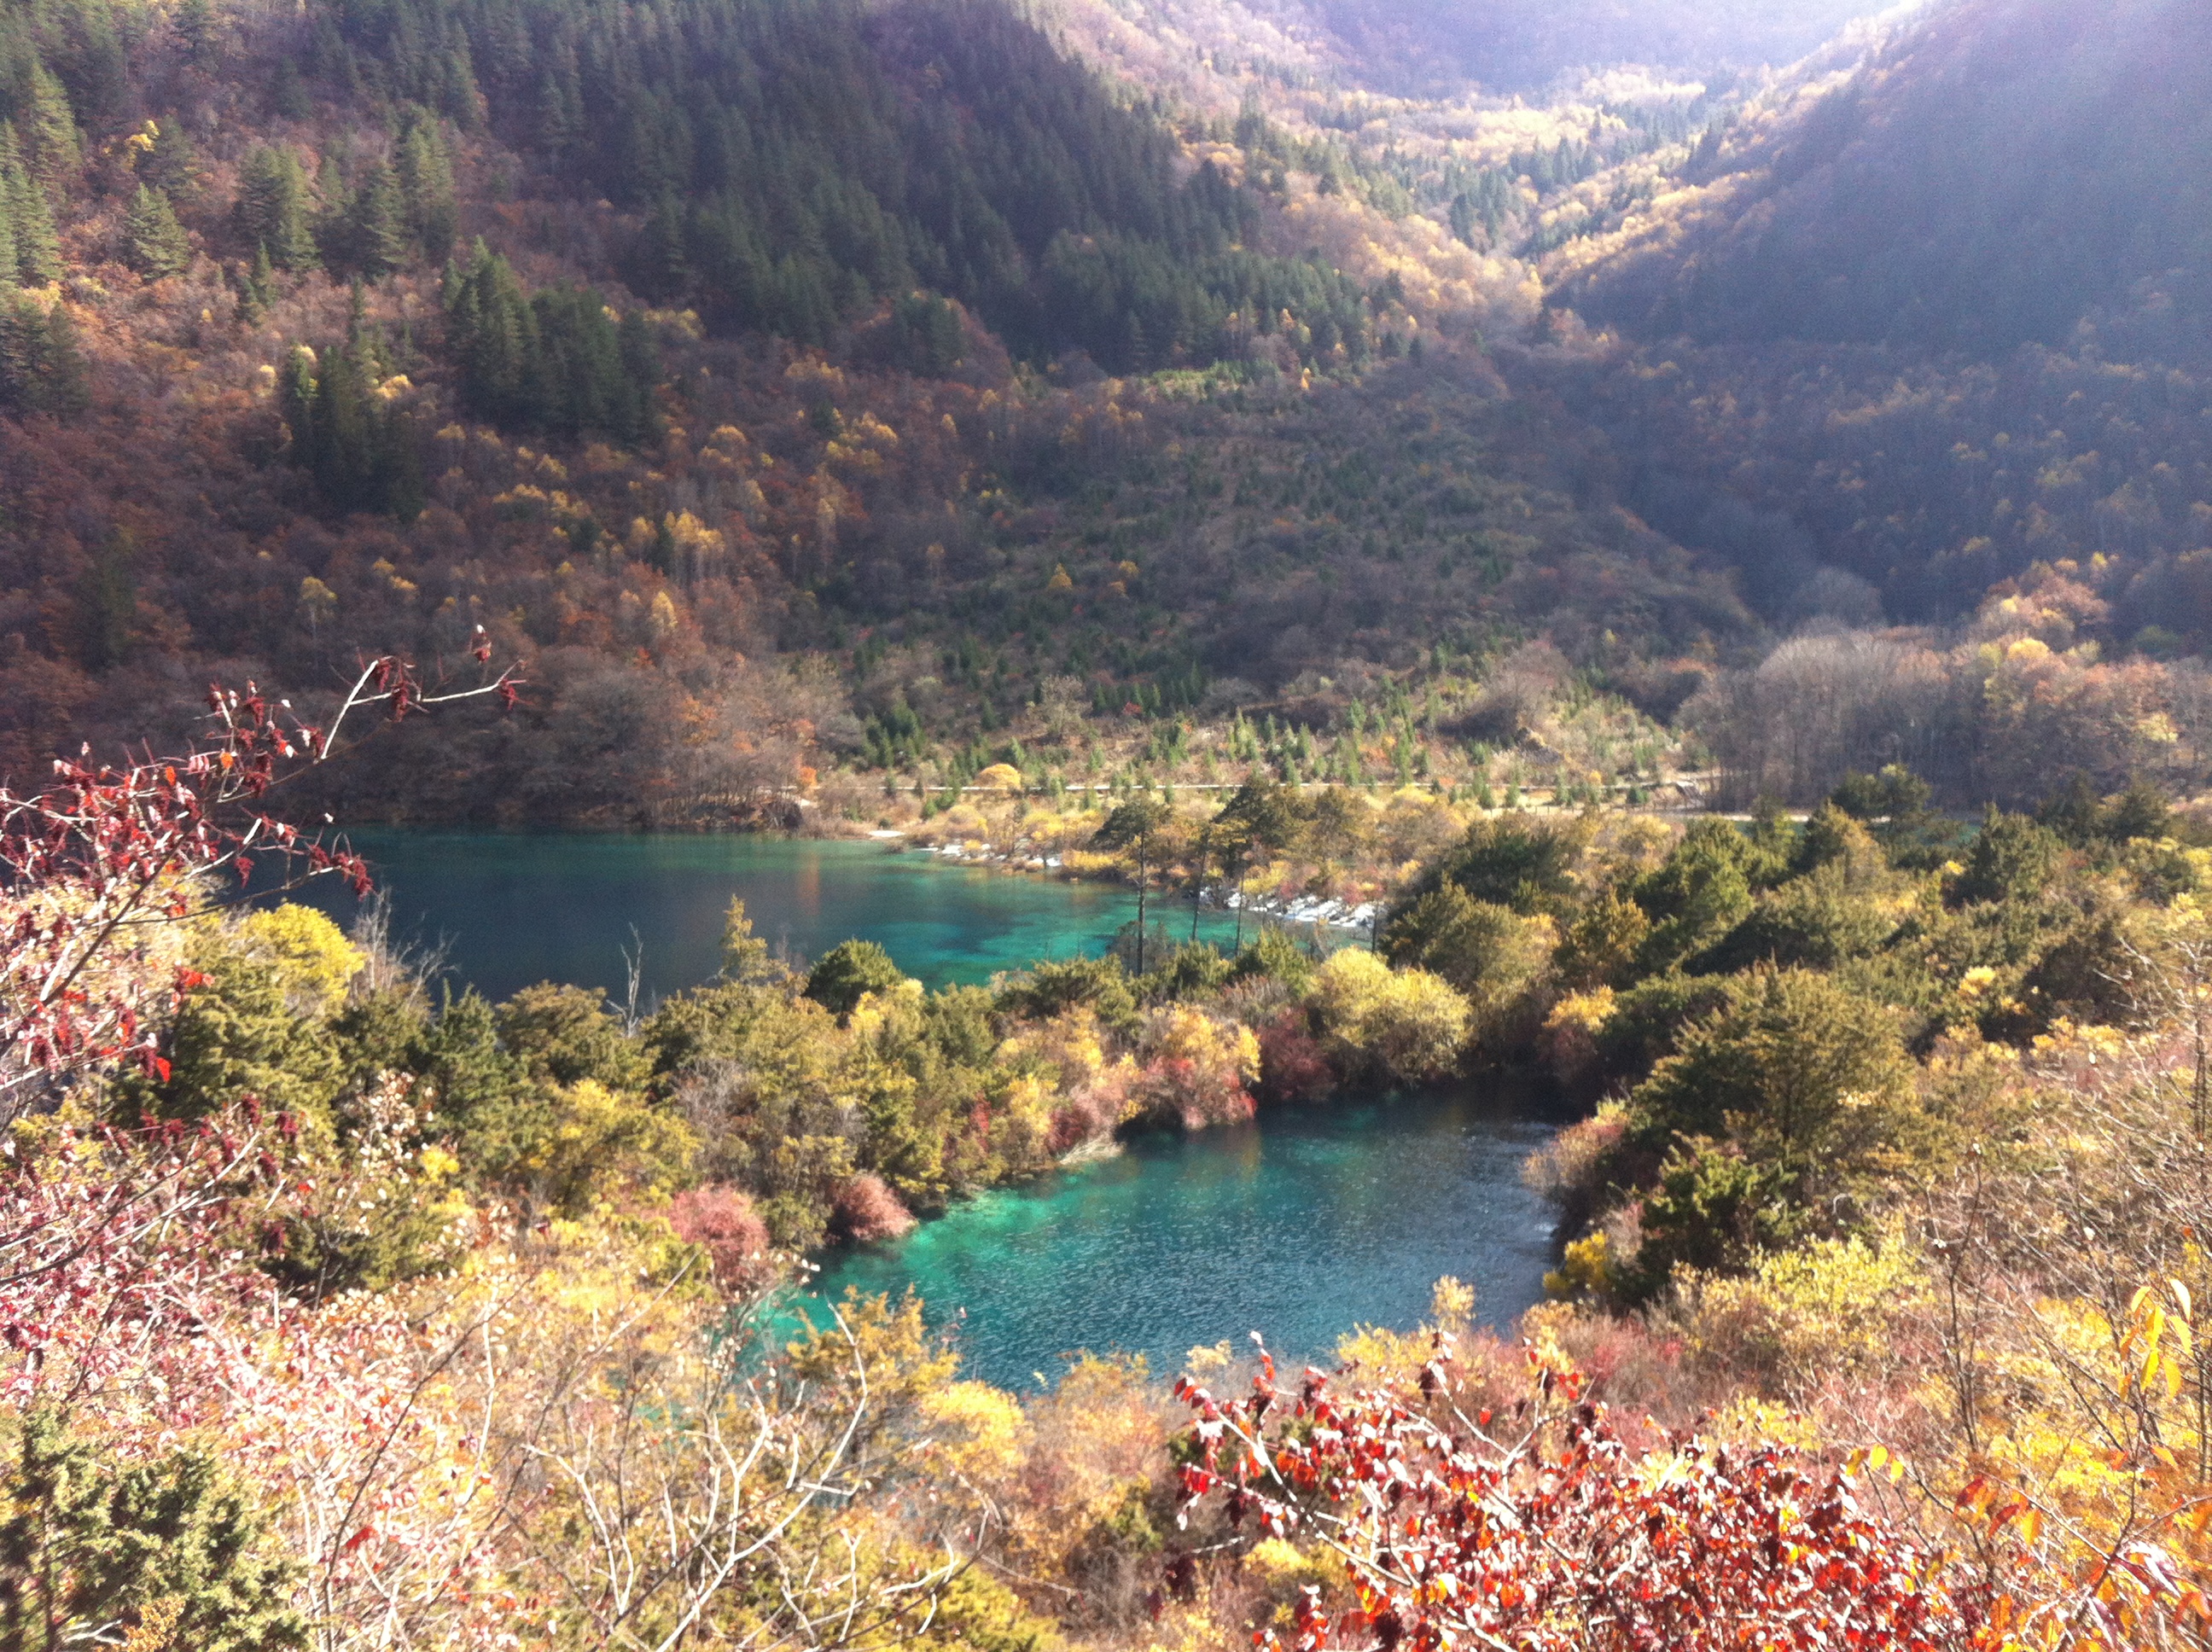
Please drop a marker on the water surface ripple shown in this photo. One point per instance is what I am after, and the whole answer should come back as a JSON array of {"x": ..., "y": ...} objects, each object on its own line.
[{"x": 1300, "y": 1228}]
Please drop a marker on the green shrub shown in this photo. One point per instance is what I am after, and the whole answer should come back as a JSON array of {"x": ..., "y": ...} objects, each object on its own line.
[
  {"x": 847, "y": 973},
  {"x": 91, "y": 1545}
]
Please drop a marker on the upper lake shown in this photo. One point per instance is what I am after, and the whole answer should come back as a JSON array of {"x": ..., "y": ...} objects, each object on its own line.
[{"x": 514, "y": 910}]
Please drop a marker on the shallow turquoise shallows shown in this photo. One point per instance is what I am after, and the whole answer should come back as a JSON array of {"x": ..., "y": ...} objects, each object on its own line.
[
  {"x": 1300, "y": 1228},
  {"x": 514, "y": 910}
]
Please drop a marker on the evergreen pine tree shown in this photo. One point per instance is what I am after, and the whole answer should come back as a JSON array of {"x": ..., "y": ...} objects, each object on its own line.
[
  {"x": 426, "y": 185},
  {"x": 296, "y": 396},
  {"x": 171, "y": 165},
  {"x": 360, "y": 446},
  {"x": 195, "y": 23},
  {"x": 108, "y": 603},
  {"x": 660, "y": 266},
  {"x": 22, "y": 345},
  {"x": 156, "y": 243},
  {"x": 49, "y": 129},
  {"x": 273, "y": 210},
  {"x": 493, "y": 333},
  {"x": 61, "y": 366},
  {"x": 258, "y": 285},
  {"x": 456, "y": 95},
  {"x": 41, "y": 369},
  {"x": 91, "y": 1542},
  {"x": 37, "y": 248},
  {"x": 1463, "y": 219},
  {"x": 288, "y": 92},
  {"x": 375, "y": 232},
  {"x": 560, "y": 117},
  {"x": 333, "y": 222},
  {"x": 641, "y": 366}
]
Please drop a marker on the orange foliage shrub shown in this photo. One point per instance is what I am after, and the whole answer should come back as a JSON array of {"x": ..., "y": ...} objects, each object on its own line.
[
  {"x": 722, "y": 1221},
  {"x": 867, "y": 1211}
]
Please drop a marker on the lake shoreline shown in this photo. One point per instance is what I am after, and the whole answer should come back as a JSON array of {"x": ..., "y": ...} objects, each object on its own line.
[
  {"x": 1172, "y": 1230},
  {"x": 1173, "y": 1240}
]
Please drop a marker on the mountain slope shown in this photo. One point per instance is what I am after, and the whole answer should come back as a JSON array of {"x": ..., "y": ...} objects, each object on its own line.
[
  {"x": 1519, "y": 46},
  {"x": 1938, "y": 323},
  {"x": 725, "y": 362},
  {"x": 1990, "y": 179}
]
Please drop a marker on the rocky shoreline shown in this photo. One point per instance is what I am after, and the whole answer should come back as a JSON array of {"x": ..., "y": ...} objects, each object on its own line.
[{"x": 1322, "y": 913}]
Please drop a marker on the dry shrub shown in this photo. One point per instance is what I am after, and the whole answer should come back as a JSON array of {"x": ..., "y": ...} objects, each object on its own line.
[
  {"x": 722, "y": 1221},
  {"x": 866, "y": 1211},
  {"x": 1517, "y": 694},
  {"x": 1637, "y": 1369},
  {"x": 1572, "y": 1169},
  {"x": 1292, "y": 1064},
  {"x": 1091, "y": 1113},
  {"x": 1093, "y": 1503}
]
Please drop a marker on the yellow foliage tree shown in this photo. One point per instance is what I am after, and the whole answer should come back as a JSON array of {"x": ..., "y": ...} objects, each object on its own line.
[{"x": 1405, "y": 1024}]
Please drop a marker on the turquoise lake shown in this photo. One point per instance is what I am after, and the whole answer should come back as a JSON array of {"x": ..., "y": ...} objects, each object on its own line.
[
  {"x": 513, "y": 910},
  {"x": 1301, "y": 1227}
]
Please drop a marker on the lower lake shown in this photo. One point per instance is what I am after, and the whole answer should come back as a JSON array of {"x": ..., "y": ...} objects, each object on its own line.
[{"x": 1301, "y": 1227}]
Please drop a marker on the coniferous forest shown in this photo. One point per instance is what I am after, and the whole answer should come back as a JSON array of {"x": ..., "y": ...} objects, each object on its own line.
[{"x": 1656, "y": 559}]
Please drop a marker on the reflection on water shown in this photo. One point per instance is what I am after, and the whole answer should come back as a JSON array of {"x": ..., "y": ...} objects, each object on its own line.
[
  {"x": 519, "y": 909},
  {"x": 1299, "y": 1229}
]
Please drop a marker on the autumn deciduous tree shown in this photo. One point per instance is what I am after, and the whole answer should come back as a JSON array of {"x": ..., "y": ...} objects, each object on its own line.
[
  {"x": 1404, "y": 1026},
  {"x": 1537, "y": 1528},
  {"x": 99, "y": 866}
]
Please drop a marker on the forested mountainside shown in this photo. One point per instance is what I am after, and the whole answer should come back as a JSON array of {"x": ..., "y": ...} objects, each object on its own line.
[
  {"x": 1939, "y": 321},
  {"x": 663, "y": 344},
  {"x": 794, "y": 386}
]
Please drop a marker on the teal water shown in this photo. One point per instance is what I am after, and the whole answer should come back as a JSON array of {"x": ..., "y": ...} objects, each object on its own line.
[
  {"x": 513, "y": 910},
  {"x": 1299, "y": 1227}
]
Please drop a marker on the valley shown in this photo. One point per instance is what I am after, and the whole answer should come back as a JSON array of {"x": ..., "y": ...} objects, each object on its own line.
[{"x": 1681, "y": 532}]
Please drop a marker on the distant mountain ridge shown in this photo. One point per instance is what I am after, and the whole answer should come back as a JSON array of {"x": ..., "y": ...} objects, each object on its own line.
[
  {"x": 1938, "y": 322},
  {"x": 1519, "y": 46},
  {"x": 1996, "y": 173}
]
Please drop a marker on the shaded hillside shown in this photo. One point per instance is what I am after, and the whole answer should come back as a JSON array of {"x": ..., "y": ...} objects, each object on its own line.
[
  {"x": 1987, "y": 180},
  {"x": 1936, "y": 323},
  {"x": 1524, "y": 45}
]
